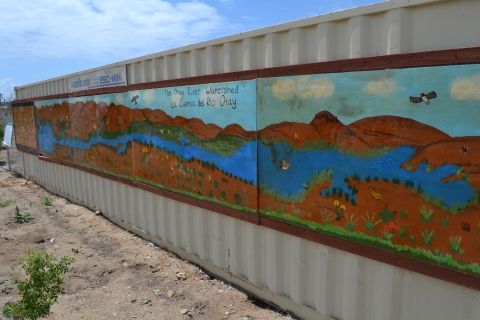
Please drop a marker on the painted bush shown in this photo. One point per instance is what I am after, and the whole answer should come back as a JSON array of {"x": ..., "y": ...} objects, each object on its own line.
[{"x": 383, "y": 158}]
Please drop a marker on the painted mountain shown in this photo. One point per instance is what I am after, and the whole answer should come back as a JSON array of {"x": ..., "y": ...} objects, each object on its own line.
[
  {"x": 388, "y": 182},
  {"x": 186, "y": 156}
]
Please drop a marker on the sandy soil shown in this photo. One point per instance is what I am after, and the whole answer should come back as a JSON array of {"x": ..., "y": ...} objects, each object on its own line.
[{"x": 116, "y": 275}]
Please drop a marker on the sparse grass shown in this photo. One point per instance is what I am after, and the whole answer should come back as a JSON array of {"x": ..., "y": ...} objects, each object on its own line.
[
  {"x": 47, "y": 201},
  {"x": 428, "y": 237},
  {"x": 455, "y": 244},
  {"x": 387, "y": 236},
  {"x": 409, "y": 184},
  {"x": 370, "y": 222},
  {"x": 22, "y": 218},
  {"x": 368, "y": 179},
  {"x": 465, "y": 177},
  {"x": 444, "y": 221},
  {"x": 426, "y": 215},
  {"x": 4, "y": 204},
  {"x": 404, "y": 214},
  {"x": 429, "y": 168},
  {"x": 420, "y": 189},
  {"x": 396, "y": 180}
]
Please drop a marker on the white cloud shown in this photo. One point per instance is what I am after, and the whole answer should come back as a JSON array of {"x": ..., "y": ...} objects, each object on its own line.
[
  {"x": 383, "y": 87},
  {"x": 118, "y": 29},
  {"x": 6, "y": 89},
  {"x": 466, "y": 88}
]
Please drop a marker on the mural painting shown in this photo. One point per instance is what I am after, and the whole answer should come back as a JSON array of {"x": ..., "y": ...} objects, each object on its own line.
[
  {"x": 388, "y": 159},
  {"x": 198, "y": 140},
  {"x": 25, "y": 126},
  {"x": 195, "y": 140}
]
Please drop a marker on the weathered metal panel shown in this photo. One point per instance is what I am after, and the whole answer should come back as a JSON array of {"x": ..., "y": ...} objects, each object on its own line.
[
  {"x": 384, "y": 28},
  {"x": 302, "y": 276}
]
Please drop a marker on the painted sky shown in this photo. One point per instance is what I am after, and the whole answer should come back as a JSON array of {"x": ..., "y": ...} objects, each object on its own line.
[
  {"x": 43, "y": 39},
  {"x": 219, "y": 103},
  {"x": 356, "y": 95}
]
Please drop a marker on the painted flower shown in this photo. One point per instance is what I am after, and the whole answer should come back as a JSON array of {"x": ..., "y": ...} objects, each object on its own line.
[
  {"x": 342, "y": 207},
  {"x": 336, "y": 203}
]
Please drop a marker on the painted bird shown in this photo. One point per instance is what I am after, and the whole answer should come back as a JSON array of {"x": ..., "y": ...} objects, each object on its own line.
[
  {"x": 424, "y": 97},
  {"x": 134, "y": 99}
]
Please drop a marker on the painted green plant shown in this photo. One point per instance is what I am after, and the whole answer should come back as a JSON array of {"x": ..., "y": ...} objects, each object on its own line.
[
  {"x": 427, "y": 237},
  {"x": 403, "y": 230},
  {"x": 387, "y": 236},
  {"x": 404, "y": 214},
  {"x": 370, "y": 222},
  {"x": 426, "y": 215},
  {"x": 455, "y": 246},
  {"x": 350, "y": 226},
  {"x": 478, "y": 227},
  {"x": 386, "y": 215},
  {"x": 444, "y": 221},
  {"x": 326, "y": 217},
  {"x": 412, "y": 238}
]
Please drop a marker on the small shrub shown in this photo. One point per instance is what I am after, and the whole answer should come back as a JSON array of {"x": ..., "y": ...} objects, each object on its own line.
[
  {"x": 455, "y": 244},
  {"x": 356, "y": 177},
  {"x": 375, "y": 178},
  {"x": 427, "y": 237},
  {"x": 404, "y": 214},
  {"x": 368, "y": 179},
  {"x": 22, "y": 218},
  {"x": 409, "y": 167},
  {"x": 426, "y": 215},
  {"x": 385, "y": 179},
  {"x": 444, "y": 221},
  {"x": 420, "y": 189},
  {"x": 237, "y": 199},
  {"x": 396, "y": 180},
  {"x": 387, "y": 236},
  {"x": 429, "y": 168},
  {"x": 4, "y": 204},
  {"x": 40, "y": 290}
]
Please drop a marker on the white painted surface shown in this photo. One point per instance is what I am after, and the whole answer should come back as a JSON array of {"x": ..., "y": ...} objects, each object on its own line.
[
  {"x": 396, "y": 26},
  {"x": 307, "y": 278}
]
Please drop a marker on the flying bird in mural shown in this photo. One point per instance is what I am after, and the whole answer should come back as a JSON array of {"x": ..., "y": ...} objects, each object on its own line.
[
  {"x": 134, "y": 99},
  {"x": 424, "y": 97}
]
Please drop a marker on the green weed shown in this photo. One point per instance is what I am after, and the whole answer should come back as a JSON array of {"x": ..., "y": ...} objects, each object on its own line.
[
  {"x": 4, "y": 204},
  {"x": 326, "y": 218},
  {"x": 22, "y": 218},
  {"x": 387, "y": 236},
  {"x": 427, "y": 237},
  {"x": 409, "y": 167},
  {"x": 47, "y": 201},
  {"x": 404, "y": 213}
]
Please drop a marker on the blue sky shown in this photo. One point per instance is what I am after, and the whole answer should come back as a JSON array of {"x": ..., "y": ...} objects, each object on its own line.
[{"x": 42, "y": 39}]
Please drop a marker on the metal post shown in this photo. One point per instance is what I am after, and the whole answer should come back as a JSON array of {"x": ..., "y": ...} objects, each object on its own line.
[{"x": 8, "y": 158}]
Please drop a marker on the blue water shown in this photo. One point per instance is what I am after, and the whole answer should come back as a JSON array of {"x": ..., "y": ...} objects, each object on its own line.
[
  {"x": 304, "y": 165},
  {"x": 241, "y": 164}
]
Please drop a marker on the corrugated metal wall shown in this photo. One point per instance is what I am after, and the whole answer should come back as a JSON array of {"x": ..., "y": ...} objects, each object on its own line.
[
  {"x": 307, "y": 278},
  {"x": 381, "y": 29}
]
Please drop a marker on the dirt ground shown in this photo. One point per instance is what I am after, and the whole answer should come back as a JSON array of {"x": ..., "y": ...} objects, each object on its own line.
[{"x": 116, "y": 275}]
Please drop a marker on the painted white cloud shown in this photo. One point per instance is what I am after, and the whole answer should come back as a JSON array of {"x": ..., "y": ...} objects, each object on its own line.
[
  {"x": 149, "y": 95},
  {"x": 119, "y": 29},
  {"x": 383, "y": 87},
  {"x": 466, "y": 88},
  {"x": 304, "y": 87}
]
